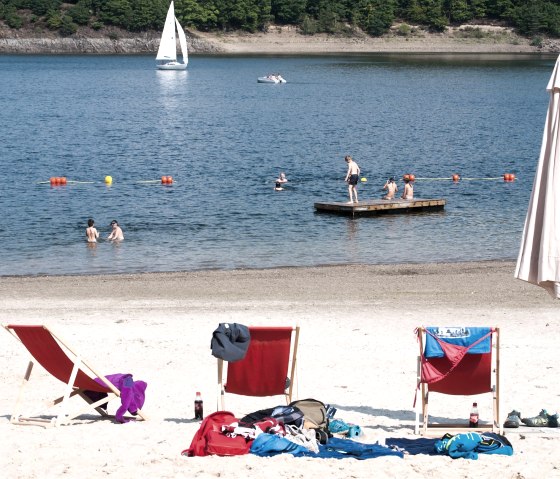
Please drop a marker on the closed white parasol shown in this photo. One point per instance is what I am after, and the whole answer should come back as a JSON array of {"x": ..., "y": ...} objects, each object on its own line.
[{"x": 539, "y": 254}]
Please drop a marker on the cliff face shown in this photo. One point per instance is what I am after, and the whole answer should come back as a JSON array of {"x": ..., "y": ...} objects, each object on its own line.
[
  {"x": 89, "y": 41},
  {"x": 277, "y": 40}
]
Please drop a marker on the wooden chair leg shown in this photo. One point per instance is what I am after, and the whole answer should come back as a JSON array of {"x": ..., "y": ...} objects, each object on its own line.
[
  {"x": 221, "y": 400},
  {"x": 17, "y": 412}
]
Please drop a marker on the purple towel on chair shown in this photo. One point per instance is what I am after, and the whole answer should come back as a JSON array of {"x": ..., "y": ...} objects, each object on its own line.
[{"x": 133, "y": 394}]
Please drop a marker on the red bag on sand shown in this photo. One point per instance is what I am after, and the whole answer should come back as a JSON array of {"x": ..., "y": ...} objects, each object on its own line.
[
  {"x": 219, "y": 444},
  {"x": 209, "y": 438}
]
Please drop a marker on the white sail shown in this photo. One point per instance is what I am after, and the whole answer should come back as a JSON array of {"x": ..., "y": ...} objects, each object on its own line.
[
  {"x": 168, "y": 47},
  {"x": 182, "y": 42}
]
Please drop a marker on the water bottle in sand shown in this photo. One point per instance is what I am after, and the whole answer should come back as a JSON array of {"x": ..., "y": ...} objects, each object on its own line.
[
  {"x": 198, "y": 407},
  {"x": 473, "y": 421}
]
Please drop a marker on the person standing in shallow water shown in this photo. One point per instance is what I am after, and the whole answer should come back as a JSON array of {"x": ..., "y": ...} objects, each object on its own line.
[
  {"x": 91, "y": 232},
  {"x": 352, "y": 176},
  {"x": 117, "y": 233}
]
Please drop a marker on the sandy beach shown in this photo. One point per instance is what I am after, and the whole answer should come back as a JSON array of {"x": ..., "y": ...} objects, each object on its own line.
[{"x": 357, "y": 351}]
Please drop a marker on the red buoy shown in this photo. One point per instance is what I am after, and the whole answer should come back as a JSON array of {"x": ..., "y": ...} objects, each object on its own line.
[
  {"x": 63, "y": 180},
  {"x": 52, "y": 181},
  {"x": 509, "y": 177},
  {"x": 411, "y": 177},
  {"x": 169, "y": 180},
  {"x": 455, "y": 177}
]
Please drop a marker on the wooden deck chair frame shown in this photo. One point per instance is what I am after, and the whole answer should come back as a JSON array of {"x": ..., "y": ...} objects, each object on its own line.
[
  {"x": 432, "y": 429},
  {"x": 221, "y": 402},
  {"x": 59, "y": 407}
]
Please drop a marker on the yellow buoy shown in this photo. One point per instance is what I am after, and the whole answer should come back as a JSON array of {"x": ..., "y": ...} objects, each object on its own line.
[
  {"x": 364, "y": 180},
  {"x": 108, "y": 180}
]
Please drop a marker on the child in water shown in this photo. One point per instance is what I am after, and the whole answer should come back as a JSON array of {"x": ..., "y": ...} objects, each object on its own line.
[{"x": 91, "y": 232}]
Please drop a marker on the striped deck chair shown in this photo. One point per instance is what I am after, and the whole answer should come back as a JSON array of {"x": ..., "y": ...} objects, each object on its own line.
[
  {"x": 268, "y": 368},
  {"x": 458, "y": 361},
  {"x": 62, "y": 362}
]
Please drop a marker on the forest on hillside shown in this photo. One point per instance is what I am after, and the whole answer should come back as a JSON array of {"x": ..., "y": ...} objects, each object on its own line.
[{"x": 375, "y": 17}]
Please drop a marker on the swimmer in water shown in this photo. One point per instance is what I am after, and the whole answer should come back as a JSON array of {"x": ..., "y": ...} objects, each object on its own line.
[
  {"x": 280, "y": 181},
  {"x": 117, "y": 233},
  {"x": 91, "y": 232}
]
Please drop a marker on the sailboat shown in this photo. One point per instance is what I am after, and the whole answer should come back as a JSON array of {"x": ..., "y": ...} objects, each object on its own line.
[{"x": 166, "y": 58}]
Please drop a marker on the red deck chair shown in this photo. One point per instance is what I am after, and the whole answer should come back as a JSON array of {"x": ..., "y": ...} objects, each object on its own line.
[
  {"x": 265, "y": 368},
  {"x": 62, "y": 362},
  {"x": 458, "y": 373}
]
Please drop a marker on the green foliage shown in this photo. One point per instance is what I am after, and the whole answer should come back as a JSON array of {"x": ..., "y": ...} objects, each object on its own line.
[
  {"x": 67, "y": 27},
  {"x": 376, "y": 16},
  {"x": 404, "y": 30},
  {"x": 200, "y": 14},
  {"x": 532, "y": 18},
  {"x": 288, "y": 11},
  {"x": 308, "y": 25},
  {"x": 116, "y": 12},
  {"x": 458, "y": 11},
  {"x": 12, "y": 19},
  {"x": 537, "y": 42},
  {"x": 54, "y": 19},
  {"x": 80, "y": 13}
]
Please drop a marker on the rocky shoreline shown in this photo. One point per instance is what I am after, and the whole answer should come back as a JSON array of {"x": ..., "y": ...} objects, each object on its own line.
[{"x": 278, "y": 40}]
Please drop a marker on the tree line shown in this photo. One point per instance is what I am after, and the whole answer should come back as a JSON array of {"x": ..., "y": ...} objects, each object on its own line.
[{"x": 528, "y": 17}]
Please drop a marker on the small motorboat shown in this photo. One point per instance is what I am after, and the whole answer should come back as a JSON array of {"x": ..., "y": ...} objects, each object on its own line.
[{"x": 276, "y": 78}]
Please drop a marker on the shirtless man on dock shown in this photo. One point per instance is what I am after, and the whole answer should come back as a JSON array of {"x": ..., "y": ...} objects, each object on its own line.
[{"x": 352, "y": 176}]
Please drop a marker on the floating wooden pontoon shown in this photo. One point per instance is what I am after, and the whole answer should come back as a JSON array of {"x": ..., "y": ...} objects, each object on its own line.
[{"x": 377, "y": 207}]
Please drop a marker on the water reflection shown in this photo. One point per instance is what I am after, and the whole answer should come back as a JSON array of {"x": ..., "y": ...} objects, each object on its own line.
[
  {"x": 351, "y": 228},
  {"x": 171, "y": 82}
]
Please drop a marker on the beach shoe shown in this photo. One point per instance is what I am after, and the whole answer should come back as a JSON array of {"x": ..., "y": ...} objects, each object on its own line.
[
  {"x": 552, "y": 420},
  {"x": 338, "y": 426},
  {"x": 538, "y": 421},
  {"x": 513, "y": 419}
]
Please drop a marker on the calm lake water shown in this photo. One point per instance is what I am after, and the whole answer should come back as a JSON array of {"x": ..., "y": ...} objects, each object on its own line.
[{"x": 224, "y": 138}]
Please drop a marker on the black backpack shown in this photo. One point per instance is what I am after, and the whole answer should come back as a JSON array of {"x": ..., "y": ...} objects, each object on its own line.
[{"x": 283, "y": 414}]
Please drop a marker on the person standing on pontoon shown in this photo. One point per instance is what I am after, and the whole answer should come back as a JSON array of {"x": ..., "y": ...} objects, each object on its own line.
[{"x": 352, "y": 176}]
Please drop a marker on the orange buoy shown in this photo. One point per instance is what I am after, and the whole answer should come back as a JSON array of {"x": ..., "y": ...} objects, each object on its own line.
[
  {"x": 169, "y": 180},
  {"x": 164, "y": 180},
  {"x": 411, "y": 177},
  {"x": 52, "y": 181},
  {"x": 455, "y": 177},
  {"x": 406, "y": 177},
  {"x": 63, "y": 180},
  {"x": 509, "y": 177}
]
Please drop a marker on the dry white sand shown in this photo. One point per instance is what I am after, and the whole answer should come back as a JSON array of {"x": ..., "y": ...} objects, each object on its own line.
[{"x": 357, "y": 351}]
